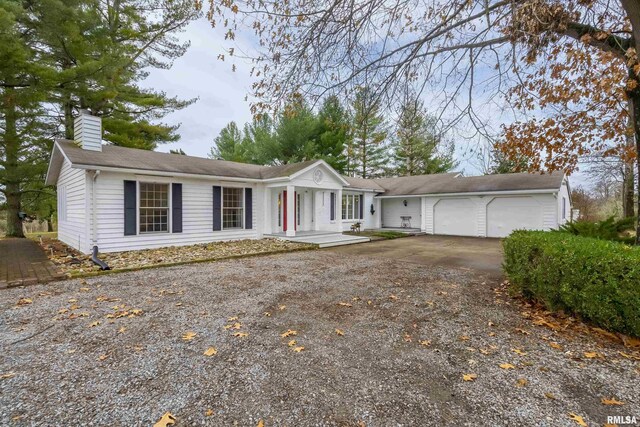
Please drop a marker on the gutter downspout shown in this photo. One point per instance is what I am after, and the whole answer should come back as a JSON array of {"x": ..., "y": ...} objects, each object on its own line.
[{"x": 94, "y": 228}]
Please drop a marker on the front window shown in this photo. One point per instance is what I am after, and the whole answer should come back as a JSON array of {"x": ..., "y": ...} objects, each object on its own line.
[
  {"x": 350, "y": 206},
  {"x": 154, "y": 207},
  {"x": 232, "y": 207}
]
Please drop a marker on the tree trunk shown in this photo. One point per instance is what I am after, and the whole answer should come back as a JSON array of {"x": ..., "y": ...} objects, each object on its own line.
[
  {"x": 634, "y": 98},
  {"x": 12, "y": 149},
  {"x": 50, "y": 224},
  {"x": 68, "y": 119},
  {"x": 628, "y": 177}
]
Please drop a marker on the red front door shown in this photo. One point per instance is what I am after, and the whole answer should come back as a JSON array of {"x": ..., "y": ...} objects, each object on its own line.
[{"x": 284, "y": 210}]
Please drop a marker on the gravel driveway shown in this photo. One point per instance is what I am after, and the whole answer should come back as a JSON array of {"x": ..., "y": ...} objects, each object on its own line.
[{"x": 378, "y": 342}]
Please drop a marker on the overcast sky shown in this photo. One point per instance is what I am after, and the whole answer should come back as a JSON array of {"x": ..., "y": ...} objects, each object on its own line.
[{"x": 221, "y": 93}]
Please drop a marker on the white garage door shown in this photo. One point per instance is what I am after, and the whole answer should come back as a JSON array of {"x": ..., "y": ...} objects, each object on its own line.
[
  {"x": 505, "y": 214},
  {"x": 456, "y": 217}
]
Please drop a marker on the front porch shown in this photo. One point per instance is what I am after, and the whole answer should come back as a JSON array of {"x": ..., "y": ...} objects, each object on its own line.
[{"x": 323, "y": 239}]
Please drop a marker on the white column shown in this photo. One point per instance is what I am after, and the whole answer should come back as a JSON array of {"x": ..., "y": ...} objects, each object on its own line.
[
  {"x": 264, "y": 203},
  {"x": 339, "y": 211},
  {"x": 291, "y": 211},
  {"x": 423, "y": 214}
]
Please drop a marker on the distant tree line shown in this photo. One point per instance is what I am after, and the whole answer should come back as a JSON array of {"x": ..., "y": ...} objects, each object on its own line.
[{"x": 355, "y": 138}]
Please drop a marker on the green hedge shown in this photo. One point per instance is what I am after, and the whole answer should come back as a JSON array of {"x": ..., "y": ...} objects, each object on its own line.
[{"x": 595, "y": 279}]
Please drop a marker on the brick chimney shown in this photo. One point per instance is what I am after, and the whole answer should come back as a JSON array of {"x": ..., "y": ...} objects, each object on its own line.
[{"x": 87, "y": 131}]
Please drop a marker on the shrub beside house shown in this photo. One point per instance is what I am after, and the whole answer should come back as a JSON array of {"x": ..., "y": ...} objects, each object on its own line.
[{"x": 597, "y": 280}]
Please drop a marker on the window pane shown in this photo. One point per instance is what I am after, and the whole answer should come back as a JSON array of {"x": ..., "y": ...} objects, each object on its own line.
[
  {"x": 356, "y": 206},
  {"x": 232, "y": 207},
  {"x": 344, "y": 206},
  {"x": 154, "y": 207}
]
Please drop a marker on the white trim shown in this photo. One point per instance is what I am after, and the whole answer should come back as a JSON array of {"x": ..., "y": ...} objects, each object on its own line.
[
  {"x": 166, "y": 174},
  {"x": 473, "y": 193}
]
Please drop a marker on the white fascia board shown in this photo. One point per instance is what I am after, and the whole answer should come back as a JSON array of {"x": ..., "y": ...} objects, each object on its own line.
[
  {"x": 478, "y": 193},
  {"x": 56, "y": 148},
  {"x": 164, "y": 173}
]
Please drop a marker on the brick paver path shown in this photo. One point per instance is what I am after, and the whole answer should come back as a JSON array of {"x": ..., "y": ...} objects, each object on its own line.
[{"x": 23, "y": 262}]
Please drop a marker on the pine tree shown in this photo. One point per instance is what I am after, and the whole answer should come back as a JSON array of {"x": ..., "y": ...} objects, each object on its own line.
[
  {"x": 294, "y": 134},
  {"x": 419, "y": 148},
  {"x": 231, "y": 145},
  {"x": 332, "y": 133},
  {"x": 368, "y": 155},
  {"x": 104, "y": 50}
]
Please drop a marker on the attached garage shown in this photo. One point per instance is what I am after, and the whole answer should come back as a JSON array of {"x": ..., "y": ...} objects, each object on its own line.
[
  {"x": 505, "y": 214},
  {"x": 394, "y": 209},
  {"x": 455, "y": 217}
]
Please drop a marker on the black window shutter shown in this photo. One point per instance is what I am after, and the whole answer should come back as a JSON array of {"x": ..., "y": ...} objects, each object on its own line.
[
  {"x": 362, "y": 206},
  {"x": 333, "y": 206},
  {"x": 217, "y": 208},
  {"x": 176, "y": 208},
  {"x": 248, "y": 208},
  {"x": 130, "y": 222}
]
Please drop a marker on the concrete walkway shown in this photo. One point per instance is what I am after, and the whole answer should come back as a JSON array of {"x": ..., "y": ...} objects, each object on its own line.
[{"x": 23, "y": 262}]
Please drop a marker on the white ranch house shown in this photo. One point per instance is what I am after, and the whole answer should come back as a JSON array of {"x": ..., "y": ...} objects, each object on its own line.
[{"x": 125, "y": 199}]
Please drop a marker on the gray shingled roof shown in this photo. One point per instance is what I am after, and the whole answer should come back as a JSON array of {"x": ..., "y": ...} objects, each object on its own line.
[
  {"x": 455, "y": 183},
  {"x": 131, "y": 158}
]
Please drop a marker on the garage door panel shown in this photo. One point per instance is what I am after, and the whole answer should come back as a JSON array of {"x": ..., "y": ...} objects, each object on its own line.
[
  {"x": 505, "y": 214},
  {"x": 455, "y": 217}
]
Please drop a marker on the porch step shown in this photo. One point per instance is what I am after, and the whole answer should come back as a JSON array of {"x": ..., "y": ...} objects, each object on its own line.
[{"x": 328, "y": 240}]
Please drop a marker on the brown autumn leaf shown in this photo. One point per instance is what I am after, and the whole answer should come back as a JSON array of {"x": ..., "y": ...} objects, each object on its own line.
[
  {"x": 260, "y": 423},
  {"x": 208, "y": 413},
  {"x": 345, "y": 304},
  {"x": 630, "y": 341},
  {"x": 507, "y": 366},
  {"x": 555, "y": 345},
  {"x": 522, "y": 382},
  {"x": 267, "y": 314},
  {"x": 425, "y": 343},
  {"x": 211, "y": 351},
  {"x": 24, "y": 301},
  {"x": 611, "y": 401},
  {"x": 94, "y": 324},
  {"x": 165, "y": 420},
  {"x": 469, "y": 377},
  {"x": 578, "y": 419},
  {"x": 232, "y": 319},
  {"x": 122, "y": 330},
  {"x": 189, "y": 335},
  {"x": 292, "y": 343},
  {"x": 240, "y": 334},
  {"x": 519, "y": 352},
  {"x": 298, "y": 349},
  {"x": 593, "y": 355},
  {"x": 7, "y": 375},
  {"x": 339, "y": 332},
  {"x": 288, "y": 333},
  {"x": 103, "y": 357},
  {"x": 282, "y": 307},
  {"x": 549, "y": 396},
  {"x": 464, "y": 338}
]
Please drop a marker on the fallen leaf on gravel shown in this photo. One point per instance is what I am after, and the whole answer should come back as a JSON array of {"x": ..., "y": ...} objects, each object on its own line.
[
  {"x": 166, "y": 420},
  {"x": 611, "y": 401},
  {"x": 593, "y": 355},
  {"x": 606, "y": 333},
  {"x": 103, "y": 357},
  {"x": 7, "y": 375},
  {"x": 463, "y": 338},
  {"x": 522, "y": 331},
  {"x": 630, "y": 341},
  {"x": 425, "y": 343},
  {"x": 407, "y": 337},
  {"x": 507, "y": 366},
  {"x": 298, "y": 349},
  {"x": 211, "y": 351},
  {"x": 549, "y": 396},
  {"x": 522, "y": 382},
  {"x": 260, "y": 423},
  {"x": 519, "y": 352},
  {"x": 345, "y": 304},
  {"x": 292, "y": 343},
  {"x": 288, "y": 333},
  {"x": 208, "y": 413},
  {"x": 236, "y": 326},
  {"x": 469, "y": 377},
  {"x": 267, "y": 314},
  {"x": 232, "y": 319},
  {"x": 24, "y": 301},
  {"x": 94, "y": 324},
  {"x": 240, "y": 334},
  {"x": 282, "y": 307},
  {"x": 578, "y": 419},
  {"x": 555, "y": 345},
  {"x": 122, "y": 330},
  {"x": 340, "y": 332},
  {"x": 189, "y": 335},
  {"x": 393, "y": 297},
  {"x": 84, "y": 289},
  {"x": 628, "y": 356}
]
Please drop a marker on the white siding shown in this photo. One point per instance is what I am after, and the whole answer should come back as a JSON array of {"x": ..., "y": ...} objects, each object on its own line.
[
  {"x": 564, "y": 193},
  {"x": 72, "y": 226},
  {"x": 197, "y": 214},
  {"x": 393, "y": 209}
]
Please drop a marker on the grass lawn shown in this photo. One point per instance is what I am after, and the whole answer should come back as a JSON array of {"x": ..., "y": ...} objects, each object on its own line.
[{"x": 380, "y": 235}]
